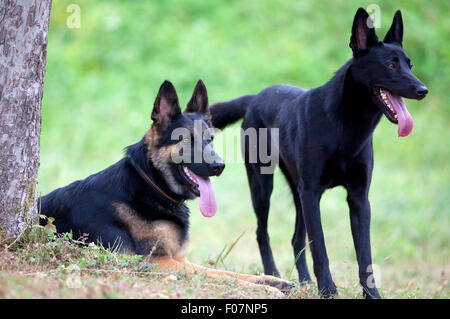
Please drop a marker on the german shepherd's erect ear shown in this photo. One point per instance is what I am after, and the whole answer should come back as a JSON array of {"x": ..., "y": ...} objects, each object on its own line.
[
  {"x": 199, "y": 100},
  {"x": 363, "y": 37},
  {"x": 395, "y": 33},
  {"x": 166, "y": 106}
]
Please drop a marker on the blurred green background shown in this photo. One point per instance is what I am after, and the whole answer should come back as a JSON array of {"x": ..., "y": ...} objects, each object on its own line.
[{"x": 102, "y": 78}]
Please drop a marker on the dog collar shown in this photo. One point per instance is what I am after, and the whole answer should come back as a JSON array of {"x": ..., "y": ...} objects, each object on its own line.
[{"x": 150, "y": 182}]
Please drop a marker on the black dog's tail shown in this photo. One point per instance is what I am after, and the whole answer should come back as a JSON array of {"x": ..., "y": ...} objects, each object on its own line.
[{"x": 225, "y": 113}]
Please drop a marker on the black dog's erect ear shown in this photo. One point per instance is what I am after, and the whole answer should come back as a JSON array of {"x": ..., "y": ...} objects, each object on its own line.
[
  {"x": 166, "y": 105},
  {"x": 363, "y": 37},
  {"x": 199, "y": 99},
  {"x": 395, "y": 33}
]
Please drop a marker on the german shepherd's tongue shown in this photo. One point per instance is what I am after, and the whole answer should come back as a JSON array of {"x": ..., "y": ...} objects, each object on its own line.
[
  {"x": 405, "y": 121},
  {"x": 208, "y": 205}
]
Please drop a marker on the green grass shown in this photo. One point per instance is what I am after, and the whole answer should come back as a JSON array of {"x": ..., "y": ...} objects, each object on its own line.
[
  {"x": 42, "y": 264},
  {"x": 101, "y": 81}
]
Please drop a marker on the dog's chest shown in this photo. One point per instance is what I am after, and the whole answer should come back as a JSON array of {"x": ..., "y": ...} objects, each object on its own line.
[
  {"x": 333, "y": 172},
  {"x": 343, "y": 171}
]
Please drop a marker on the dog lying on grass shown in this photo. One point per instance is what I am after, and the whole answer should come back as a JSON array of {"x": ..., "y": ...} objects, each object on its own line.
[{"x": 137, "y": 204}]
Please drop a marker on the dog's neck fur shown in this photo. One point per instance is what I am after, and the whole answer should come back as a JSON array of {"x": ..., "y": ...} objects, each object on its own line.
[
  {"x": 351, "y": 103},
  {"x": 139, "y": 153}
]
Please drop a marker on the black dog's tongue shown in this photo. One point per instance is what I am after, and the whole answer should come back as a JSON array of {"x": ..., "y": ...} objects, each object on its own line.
[{"x": 405, "y": 121}]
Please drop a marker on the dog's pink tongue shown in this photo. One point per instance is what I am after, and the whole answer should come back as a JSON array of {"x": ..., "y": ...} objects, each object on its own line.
[
  {"x": 208, "y": 205},
  {"x": 405, "y": 121}
]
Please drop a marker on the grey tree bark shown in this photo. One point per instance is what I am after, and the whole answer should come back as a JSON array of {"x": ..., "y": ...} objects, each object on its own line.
[{"x": 23, "y": 49}]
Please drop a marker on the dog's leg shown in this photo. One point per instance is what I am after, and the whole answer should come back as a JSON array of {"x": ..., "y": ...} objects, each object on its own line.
[
  {"x": 311, "y": 214},
  {"x": 298, "y": 242},
  {"x": 358, "y": 202},
  {"x": 271, "y": 284},
  {"x": 261, "y": 186},
  {"x": 254, "y": 279}
]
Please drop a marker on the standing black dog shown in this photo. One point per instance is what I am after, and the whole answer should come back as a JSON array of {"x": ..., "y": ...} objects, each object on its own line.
[
  {"x": 326, "y": 140},
  {"x": 137, "y": 204}
]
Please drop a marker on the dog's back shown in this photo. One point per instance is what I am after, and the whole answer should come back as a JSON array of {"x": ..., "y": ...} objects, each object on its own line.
[
  {"x": 261, "y": 109},
  {"x": 84, "y": 206}
]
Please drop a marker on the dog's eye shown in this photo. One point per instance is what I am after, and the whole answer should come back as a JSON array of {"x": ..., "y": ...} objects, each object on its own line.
[{"x": 392, "y": 66}]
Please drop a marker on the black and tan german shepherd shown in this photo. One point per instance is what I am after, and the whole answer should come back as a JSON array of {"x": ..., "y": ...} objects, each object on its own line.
[
  {"x": 325, "y": 140},
  {"x": 137, "y": 204}
]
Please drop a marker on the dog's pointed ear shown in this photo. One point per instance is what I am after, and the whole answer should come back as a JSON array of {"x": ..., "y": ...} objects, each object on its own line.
[
  {"x": 199, "y": 100},
  {"x": 395, "y": 33},
  {"x": 166, "y": 106},
  {"x": 363, "y": 33}
]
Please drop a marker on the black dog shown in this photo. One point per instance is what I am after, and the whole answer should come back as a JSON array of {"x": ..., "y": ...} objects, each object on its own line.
[
  {"x": 136, "y": 205},
  {"x": 326, "y": 140}
]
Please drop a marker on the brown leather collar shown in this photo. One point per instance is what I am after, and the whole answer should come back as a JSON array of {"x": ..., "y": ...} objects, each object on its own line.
[{"x": 150, "y": 182}]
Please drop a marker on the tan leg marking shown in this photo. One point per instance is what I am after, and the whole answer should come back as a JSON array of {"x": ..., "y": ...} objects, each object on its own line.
[{"x": 269, "y": 283}]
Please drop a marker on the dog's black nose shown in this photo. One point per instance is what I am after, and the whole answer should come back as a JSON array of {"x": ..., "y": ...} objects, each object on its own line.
[
  {"x": 422, "y": 91},
  {"x": 217, "y": 168}
]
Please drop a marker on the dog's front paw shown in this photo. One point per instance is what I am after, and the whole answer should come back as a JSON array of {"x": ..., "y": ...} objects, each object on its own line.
[
  {"x": 328, "y": 292},
  {"x": 371, "y": 293},
  {"x": 278, "y": 283}
]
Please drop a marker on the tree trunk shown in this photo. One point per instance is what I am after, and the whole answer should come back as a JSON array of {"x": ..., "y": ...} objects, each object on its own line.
[{"x": 23, "y": 50}]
